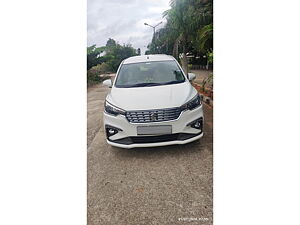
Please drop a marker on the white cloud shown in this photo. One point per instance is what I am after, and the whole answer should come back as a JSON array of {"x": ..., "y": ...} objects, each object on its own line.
[{"x": 123, "y": 20}]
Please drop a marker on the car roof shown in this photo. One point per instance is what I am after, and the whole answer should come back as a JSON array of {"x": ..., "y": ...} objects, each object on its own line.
[{"x": 148, "y": 58}]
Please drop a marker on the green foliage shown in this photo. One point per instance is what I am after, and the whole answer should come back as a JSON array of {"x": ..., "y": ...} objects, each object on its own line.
[
  {"x": 111, "y": 43},
  {"x": 116, "y": 54},
  {"x": 106, "y": 59},
  {"x": 210, "y": 56},
  {"x": 112, "y": 54},
  {"x": 204, "y": 38},
  {"x": 93, "y": 74},
  {"x": 93, "y": 56},
  {"x": 189, "y": 28},
  {"x": 100, "y": 69}
]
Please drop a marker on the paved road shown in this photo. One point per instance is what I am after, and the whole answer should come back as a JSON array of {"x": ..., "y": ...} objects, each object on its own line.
[{"x": 164, "y": 186}]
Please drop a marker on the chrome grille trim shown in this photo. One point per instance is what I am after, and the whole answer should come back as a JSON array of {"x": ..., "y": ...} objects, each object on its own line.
[{"x": 155, "y": 115}]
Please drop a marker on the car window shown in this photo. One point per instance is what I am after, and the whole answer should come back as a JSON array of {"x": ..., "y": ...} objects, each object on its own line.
[{"x": 149, "y": 74}]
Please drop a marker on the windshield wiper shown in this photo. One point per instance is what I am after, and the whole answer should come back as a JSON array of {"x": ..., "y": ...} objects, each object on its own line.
[
  {"x": 149, "y": 84},
  {"x": 144, "y": 84}
]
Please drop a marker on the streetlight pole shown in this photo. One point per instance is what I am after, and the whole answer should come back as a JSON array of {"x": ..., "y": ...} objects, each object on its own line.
[{"x": 153, "y": 33}]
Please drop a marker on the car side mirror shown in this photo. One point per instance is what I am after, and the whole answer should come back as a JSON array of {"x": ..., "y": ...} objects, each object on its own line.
[
  {"x": 107, "y": 83},
  {"x": 191, "y": 76}
]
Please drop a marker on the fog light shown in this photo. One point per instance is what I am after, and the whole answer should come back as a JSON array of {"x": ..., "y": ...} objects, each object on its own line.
[
  {"x": 197, "y": 124},
  {"x": 110, "y": 130}
]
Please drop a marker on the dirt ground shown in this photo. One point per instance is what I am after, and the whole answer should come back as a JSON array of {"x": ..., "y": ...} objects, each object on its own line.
[
  {"x": 164, "y": 185},
  {"x": 200, "y": 75}
]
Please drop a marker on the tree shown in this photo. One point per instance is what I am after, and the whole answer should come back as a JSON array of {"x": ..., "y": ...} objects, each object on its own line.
[
  {"x": 93, "y": 56},
  {"x": 115, "y": 55},
  {"x": 205, "y": 38},
  {"x": 188, "y": 30},
  {"x": 111, "y": 43},
  {"x": 180, "y": 20},
  {"x": 112, "y": 54},
  {"x": 106, "y": 59}
]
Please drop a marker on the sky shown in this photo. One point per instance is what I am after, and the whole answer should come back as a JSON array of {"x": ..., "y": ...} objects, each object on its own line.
[{"x": 123, "y": 20}]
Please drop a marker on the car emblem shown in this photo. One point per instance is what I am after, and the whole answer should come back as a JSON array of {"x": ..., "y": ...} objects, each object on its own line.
[{"x": 153, "y": 116}]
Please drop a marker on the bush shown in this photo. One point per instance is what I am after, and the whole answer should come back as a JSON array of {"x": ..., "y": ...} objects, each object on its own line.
[
  {"x": 93, "y": 74},
  {"x": 93, "y": 79}
]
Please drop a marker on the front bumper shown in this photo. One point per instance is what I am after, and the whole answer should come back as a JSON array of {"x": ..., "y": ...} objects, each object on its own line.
[{"x": 127, "y": 136}]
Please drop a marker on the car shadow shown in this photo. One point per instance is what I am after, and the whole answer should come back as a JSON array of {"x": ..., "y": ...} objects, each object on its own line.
[{"x": 160, "y": 152}]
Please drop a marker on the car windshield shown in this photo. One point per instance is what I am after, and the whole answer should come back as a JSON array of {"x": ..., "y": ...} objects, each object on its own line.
[{"x": 149, "y": 74}]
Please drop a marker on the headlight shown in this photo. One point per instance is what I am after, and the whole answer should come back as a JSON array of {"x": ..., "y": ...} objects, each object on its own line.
[
  {"x": 192, "y": 104},
  {"x": 113, "y": 110}
]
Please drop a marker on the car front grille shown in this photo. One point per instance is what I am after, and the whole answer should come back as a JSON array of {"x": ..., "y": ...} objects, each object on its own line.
[{"x": 157, "y": 115}]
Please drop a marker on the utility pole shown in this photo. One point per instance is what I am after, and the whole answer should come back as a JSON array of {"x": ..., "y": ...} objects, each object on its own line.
[{"x": 153, "y": 33}]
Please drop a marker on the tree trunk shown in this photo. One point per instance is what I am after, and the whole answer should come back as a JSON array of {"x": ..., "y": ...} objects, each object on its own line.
[
  {"x": 184, "y": 58},
  {"x": 175, "y": 48}
]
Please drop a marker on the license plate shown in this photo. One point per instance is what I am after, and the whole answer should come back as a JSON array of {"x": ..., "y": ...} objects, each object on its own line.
[{"x": 156, "y": 129}]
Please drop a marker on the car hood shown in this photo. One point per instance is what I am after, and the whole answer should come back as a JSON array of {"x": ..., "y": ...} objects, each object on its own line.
[{"x": 155, "y": 97}]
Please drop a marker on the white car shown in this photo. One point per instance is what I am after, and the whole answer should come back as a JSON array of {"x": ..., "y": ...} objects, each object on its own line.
[{"x": 152, "y": 103}]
